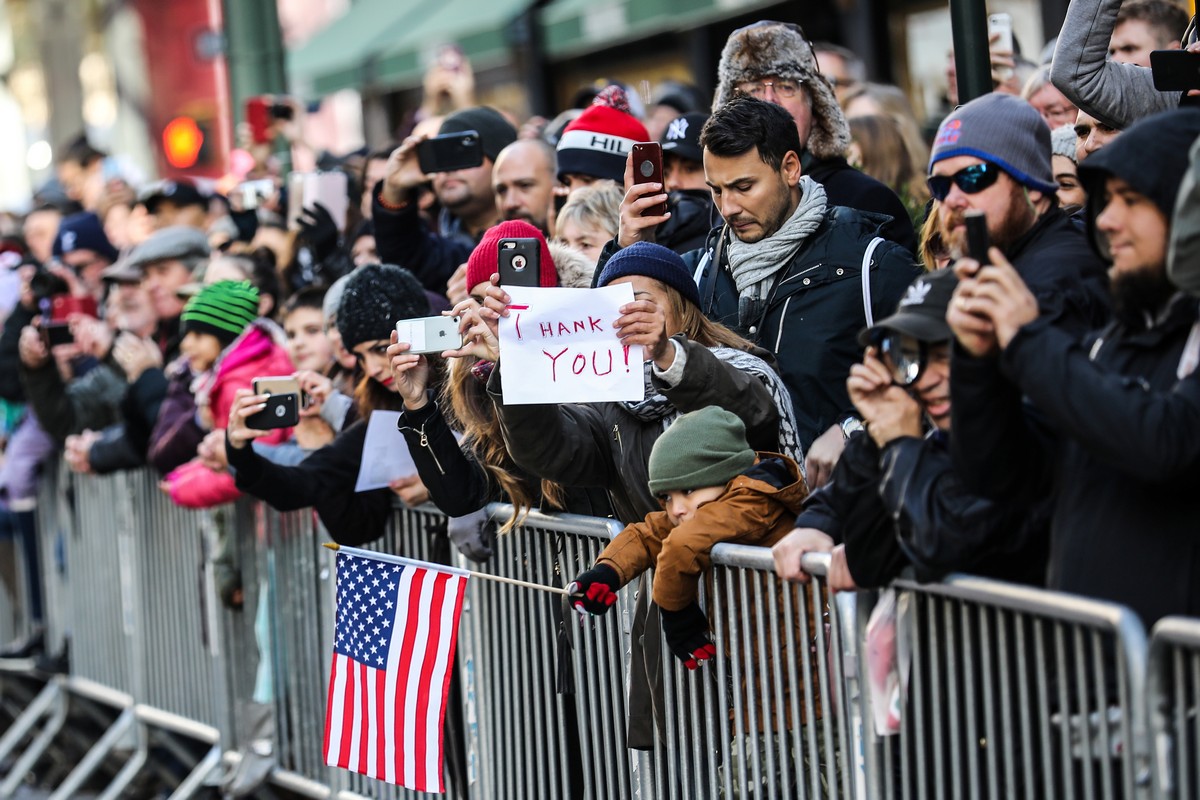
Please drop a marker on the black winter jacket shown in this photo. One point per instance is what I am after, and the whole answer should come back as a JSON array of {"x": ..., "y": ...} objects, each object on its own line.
[
  {"x": 1113, "y": 436},
  {"x": 815, "y": 310},
  {"x": 401, "y": 238},
  {"x": 847, "y": 186},
  {"x": 325, "y": 481},
  {"x": 904, "y": 506},
  {"x": 10, "y": 358},
  {"x": 458, "y": 484}
]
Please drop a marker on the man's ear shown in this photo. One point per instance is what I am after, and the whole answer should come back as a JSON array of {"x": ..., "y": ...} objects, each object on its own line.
[{"x": 790, "y": 167}]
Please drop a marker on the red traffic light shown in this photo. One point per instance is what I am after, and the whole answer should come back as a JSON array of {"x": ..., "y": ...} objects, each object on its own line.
[{"x": 182, "y": 140}]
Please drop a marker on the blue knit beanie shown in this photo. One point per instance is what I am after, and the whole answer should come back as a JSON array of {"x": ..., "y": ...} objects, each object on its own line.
[
  {"x": 651, "y": 261},
  {"x": 83, "y": 231}
]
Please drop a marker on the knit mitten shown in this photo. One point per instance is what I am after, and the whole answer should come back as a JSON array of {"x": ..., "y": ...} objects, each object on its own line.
[
  {"x": 595, "y": 590},
  {"x": 686, "y": 631}
]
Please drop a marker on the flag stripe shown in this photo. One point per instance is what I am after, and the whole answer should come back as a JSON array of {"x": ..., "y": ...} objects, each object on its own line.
[
  {"x": 333, "y": 716},
  {"x": 413, "y": 733},
  {"x": 421, "y": 711},
  {"x": 403, "y": 726},
  {"x": 439, "y": 678},
  {"x": 364, "y": 720},
  {"x": 347, "y": 729}
]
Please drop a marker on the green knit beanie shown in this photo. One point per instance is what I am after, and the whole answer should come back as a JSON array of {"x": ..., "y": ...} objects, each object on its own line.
[
  {"x": 704, "y": 448},
  {"x": 223, "y": 309}
]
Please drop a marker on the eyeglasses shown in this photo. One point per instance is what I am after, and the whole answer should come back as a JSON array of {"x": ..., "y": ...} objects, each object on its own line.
[
  {"x": 972, "y": 180},
  {"x": 758, "y": 89},
  {"x": 905, "y": 356}
]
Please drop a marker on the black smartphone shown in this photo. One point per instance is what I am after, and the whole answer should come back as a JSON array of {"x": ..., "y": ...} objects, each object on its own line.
[
  {"x": 283, "y": 403},
  {"x": 520, "y": 262},
  {"x": 648, "y": 168},
  {"x": 282, "y": 411},
  {"x": 1175, "y": 70},
  {"x": 56, "y": 333},
  {"x": 450, "y": 151},
  {"x": 977, "y": 236}
]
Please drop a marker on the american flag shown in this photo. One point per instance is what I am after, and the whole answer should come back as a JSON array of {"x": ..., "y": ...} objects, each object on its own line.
[{"x": 397, "y": 624}]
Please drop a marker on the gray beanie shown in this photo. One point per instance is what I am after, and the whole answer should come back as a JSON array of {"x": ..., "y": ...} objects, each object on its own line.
[
  {"x": 1062, "y": 142},
  {"x": 703, "y": 448},
  {"x": 1004, "y": 130},
  {"x": 333, "y": 298},
  {"x": 779, "y": 49},
  {"x": 376, "y": 297}
]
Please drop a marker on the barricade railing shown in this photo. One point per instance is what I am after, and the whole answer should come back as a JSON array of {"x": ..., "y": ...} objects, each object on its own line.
[
  {"x": 1016, "y": 692},
  {"x": 1012, "y": 691},
  {"x": 1174, "y": 702}
]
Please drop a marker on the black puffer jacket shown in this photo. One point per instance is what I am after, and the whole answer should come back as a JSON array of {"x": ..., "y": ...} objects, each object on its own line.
[
  {"x": 815, "y": 310},
  {"x": 1115, "y": 440},
  {"x": 904, "y": 506}
]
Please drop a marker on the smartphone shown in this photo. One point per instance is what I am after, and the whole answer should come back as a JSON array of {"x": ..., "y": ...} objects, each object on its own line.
[
  {"x": 1002, "y": 24},
  {"x": 1175, "y": 70},
  {"x": 429, "y": 334},
  {"x": 56, "y": 333},
  {"x": 977, "y": 236},
  {"x": 648, "y": 168},
  {"x": 520, "y": 262},
  {"x": 259, "y": 119},
  {"x": 330, "y": 189},
  {"x": 252, "y": 193},
  {"x": 450, "y": 151},
  {"x": 283, "y": 403},
  {"x": 283, "y": 111}
]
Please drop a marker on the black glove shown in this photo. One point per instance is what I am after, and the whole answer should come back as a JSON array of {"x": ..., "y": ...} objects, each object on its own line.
[
  {"x": 318, "y": 230},
  {"x": 595, "y": 591},
  {"x": 686, "y": 631}
]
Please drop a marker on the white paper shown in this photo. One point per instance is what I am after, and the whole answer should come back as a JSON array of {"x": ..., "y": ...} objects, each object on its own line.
[
  {"x": 559, "y": 346},
  {"x": 385, "y": 455}
]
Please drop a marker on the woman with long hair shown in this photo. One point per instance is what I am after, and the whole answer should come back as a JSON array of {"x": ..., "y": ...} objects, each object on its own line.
[{"x": 374, "y": 299}]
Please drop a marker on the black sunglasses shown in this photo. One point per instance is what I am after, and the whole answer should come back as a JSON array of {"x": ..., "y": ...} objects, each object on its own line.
[{"x": 971, "y": 180}]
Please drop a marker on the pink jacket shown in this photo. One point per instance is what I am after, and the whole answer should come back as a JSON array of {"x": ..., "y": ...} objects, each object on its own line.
[{"x": 257, "y": 353}]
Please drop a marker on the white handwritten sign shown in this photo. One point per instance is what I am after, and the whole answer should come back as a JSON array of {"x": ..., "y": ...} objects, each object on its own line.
[
  {"x": 385, "y": 455},
  {"x": 559, "y": 346}
]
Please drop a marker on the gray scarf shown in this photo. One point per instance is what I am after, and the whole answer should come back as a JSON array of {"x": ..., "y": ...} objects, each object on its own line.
[{"x": 754, "y": 264}]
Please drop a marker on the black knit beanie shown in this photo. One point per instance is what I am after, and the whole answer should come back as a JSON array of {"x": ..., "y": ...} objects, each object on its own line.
[
  {"x": 375, "y": 298},
  {"x": 651, "y": 261},
  {"x": 495, "y": 132},
  {"x": 703, "y": 448}
]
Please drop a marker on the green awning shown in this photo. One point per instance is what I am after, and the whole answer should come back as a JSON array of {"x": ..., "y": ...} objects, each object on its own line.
[
  {"x": 388, "y": 43},
  {"x": 334, "y": 59},
  {"x": 574, "y": 27}
]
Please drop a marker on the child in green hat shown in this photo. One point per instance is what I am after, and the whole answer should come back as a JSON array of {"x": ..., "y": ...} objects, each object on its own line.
[{"x": 713, "y": 489}]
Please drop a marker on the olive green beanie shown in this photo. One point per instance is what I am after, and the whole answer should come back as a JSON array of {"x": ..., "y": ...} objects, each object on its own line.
[{"x": 704, "y": 448}]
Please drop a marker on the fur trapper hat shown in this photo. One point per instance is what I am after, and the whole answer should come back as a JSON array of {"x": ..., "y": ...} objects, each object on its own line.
[{"x": 780, "y": 49}]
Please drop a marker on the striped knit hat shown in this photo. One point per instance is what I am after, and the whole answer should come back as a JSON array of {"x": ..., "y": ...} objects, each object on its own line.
[{"x": 223, "y": 309}]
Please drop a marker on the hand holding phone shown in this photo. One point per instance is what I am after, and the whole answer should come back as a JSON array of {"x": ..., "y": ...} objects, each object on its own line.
[
  {"x": 520, "y": 262},
  {"x": 1000, "y": 26},
  {"x": 450, "y": 152},
  {"x": 426, "y": 335},
  {"x": 978, "y": 241},
  {"x": 283, "y": 403}
]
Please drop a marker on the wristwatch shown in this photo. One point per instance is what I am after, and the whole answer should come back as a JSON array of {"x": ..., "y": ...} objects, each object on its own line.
[{"x": 851, "y": 426}]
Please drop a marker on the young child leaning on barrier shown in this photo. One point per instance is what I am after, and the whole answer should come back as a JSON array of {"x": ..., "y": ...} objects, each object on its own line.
[{"x": 713, "y": 489}]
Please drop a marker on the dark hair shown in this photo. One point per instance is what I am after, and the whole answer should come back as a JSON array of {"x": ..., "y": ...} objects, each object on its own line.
[
  {"x": 1168, "y": 21},
  {"x": 309, "y": 297},
  {"x": 79, "y": 151},
  {"x": 746, "y": 122}
]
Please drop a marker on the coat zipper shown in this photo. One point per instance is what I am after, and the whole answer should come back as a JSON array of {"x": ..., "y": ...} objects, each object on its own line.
[
  {"x": 617, "y": 439},
  {"x": 425, "y": 444}
]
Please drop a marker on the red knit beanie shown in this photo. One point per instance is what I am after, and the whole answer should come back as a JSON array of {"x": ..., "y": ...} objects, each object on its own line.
[
  {"x": 485, "y": 258},
  {"x": 598, "y": 140}
]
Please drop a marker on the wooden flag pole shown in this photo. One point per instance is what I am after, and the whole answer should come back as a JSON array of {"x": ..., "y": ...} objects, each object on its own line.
[{"x": 471, "y": 572}]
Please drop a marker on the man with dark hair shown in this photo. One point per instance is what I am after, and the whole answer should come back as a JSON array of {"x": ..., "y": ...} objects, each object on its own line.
[
  {"x": 1107, "y": 425},
  {"x": 1143, "y": 26},
  {"x": 466, "y": 196},
  {"x": 786, "y": 269}
]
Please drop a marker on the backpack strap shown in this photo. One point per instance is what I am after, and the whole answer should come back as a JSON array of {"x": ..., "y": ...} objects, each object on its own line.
[
  {"x": 717, "y": 252},
  {"x": 866, "y": 280}
]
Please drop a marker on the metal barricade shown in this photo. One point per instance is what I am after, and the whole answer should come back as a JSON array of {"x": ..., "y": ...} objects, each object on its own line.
[
  {"x": 1016, "y": 692},
  {"x": 1174, "y": 703}
]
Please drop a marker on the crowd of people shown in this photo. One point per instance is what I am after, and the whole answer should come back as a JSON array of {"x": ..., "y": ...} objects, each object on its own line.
[{"x": 830, "y": 362}]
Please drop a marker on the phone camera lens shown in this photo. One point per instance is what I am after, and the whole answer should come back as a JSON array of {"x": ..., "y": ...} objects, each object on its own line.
[
  {"x": 469, "y": 141},
  {"x": 280, "y": 411},
  {"x": 519, "y": 262},
  {"x": 647, "y": 169}
]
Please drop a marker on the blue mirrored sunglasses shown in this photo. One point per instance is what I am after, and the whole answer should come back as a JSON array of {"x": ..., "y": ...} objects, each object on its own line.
[{"x": 971, "y": 180}]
